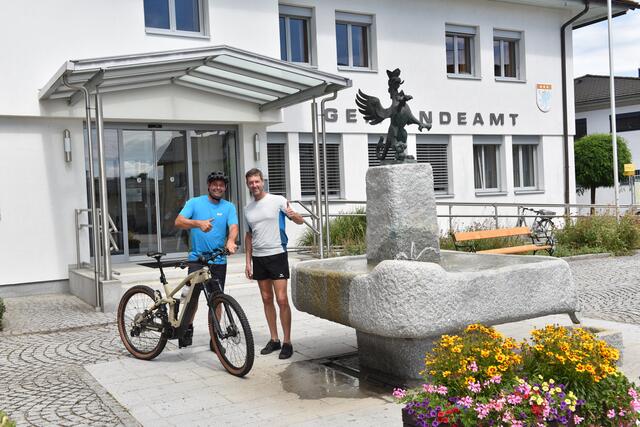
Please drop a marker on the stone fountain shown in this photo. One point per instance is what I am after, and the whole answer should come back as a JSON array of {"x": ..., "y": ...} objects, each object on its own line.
[{"x": 406, "y": 292}]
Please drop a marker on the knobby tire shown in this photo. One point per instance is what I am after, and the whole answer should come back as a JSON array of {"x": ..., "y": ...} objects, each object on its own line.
[
  {"x": 236, "y": 360},
  {"x": 133, "y": 302}
]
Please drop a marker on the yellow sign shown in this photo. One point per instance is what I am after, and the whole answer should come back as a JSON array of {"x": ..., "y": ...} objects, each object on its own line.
[{"x": 629, "y": 169}]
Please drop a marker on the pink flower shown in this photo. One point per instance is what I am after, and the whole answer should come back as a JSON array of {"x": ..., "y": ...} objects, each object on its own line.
[
  {"x": 429, "y": 388},
  {"x": 577, "y": 419},
  {"x": 474, "y": 387},
  {"x": 496, "y": 379},
  {"x": 482, "y": 410},
  {"x": 472, "y": 366},
  {"x": 611, "y": 413},
  {"x": 442, "y": 390},
  {"x": 399, "y": 393},
  {"x": 622, "y": 413},
  {"x": 633, "y": 393},
  {"x": 514, "y": 399},
  {"x": 635, "y": 405},
  {"x": 466, "y": 401}
]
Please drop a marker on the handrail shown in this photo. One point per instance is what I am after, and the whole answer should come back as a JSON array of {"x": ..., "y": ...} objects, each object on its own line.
[{"x": 79, "y": 226}]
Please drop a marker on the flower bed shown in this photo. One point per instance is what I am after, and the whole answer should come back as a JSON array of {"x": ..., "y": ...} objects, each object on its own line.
[{"x": 559, "y": 376}]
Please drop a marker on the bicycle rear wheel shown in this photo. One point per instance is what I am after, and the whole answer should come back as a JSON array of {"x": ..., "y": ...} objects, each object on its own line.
[
  {"x": 233, "y": 343},
  {"x": 141, "y": 331}
]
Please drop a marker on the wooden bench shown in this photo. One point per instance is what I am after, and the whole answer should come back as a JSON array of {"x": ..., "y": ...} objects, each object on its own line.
[{"x": 470, "y": 236}]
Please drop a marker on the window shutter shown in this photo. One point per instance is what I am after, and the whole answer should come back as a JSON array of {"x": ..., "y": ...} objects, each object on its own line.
[
  {"x": 277, "y": 170},
  {"x": 436, "y": 154},
  {"x": 373, "y": 142},
  {"x": 307, "y": 169}
]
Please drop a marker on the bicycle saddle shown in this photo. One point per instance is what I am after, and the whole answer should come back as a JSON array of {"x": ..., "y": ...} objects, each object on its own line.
[
  {"x": 546, "y": 212},
  {"x": 156, "y": 255}
]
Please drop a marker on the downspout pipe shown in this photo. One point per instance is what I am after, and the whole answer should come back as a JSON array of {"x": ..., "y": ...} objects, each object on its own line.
[
  {"x": 565, "y": 96},
  {"x": 92, "y": 190},
  {"x": 323, "y": 119}
]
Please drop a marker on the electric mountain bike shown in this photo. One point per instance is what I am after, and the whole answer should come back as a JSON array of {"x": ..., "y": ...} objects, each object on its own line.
[{"x": 147, "y": 319}]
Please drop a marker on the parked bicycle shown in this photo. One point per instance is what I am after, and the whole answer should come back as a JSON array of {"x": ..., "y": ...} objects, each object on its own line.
[
  {"x": 146, "y": 319},
  {"x": 542, "y": 227}
]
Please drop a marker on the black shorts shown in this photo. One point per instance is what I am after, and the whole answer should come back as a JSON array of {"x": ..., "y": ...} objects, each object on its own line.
[
  {"x": 219, "y": 271},
  {"x": 274, "y": 267}
]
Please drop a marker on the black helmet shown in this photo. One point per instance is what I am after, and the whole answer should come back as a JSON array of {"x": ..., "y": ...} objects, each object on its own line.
[{"x": 217, "y": 176}]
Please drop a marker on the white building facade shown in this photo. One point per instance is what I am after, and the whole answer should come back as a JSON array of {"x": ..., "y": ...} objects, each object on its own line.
[{"x": 487, "y": 73}]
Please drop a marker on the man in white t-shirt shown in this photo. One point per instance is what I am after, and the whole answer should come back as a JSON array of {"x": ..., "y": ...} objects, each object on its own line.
[{"x": 266, "y": 257}]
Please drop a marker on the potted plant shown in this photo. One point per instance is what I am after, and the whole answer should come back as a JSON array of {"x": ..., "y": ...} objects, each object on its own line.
[{"x": 559, "y": 376}]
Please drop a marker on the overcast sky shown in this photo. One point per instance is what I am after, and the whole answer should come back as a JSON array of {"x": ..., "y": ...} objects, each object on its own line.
[{"x": 590, "y": 46}]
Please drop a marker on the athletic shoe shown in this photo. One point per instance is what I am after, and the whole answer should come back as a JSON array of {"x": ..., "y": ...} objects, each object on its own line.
[
  {"x": 270, "y": 347},
  {"x": 286, "y": 352},
  {"x": 187, "y": 339}
]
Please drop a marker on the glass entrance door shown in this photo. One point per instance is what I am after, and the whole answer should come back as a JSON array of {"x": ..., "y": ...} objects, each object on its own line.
[
  {"x": 150, "y": 176},
  {"x": 156, "y": 188}
]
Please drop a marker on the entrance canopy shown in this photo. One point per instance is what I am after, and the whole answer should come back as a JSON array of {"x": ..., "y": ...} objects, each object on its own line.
[{"x": 223, "y": 70}]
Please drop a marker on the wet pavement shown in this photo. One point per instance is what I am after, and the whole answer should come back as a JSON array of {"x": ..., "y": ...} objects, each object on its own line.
[{"x": 61, "y": 363}]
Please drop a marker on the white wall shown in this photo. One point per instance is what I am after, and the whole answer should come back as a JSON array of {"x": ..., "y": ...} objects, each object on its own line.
[{"x": 37, "y": 199}]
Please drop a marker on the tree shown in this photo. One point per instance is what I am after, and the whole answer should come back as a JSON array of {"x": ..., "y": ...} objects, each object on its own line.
[{"x": 594, "y": 162}]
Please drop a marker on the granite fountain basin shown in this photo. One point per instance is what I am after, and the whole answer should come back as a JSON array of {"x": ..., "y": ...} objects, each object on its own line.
[{"x": 399, "y": 308}]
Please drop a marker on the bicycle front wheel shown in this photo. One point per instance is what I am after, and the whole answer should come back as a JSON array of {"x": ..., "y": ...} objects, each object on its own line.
[
  {"x": 140, "y": 330},
  {"x": 233, "y": 340}
]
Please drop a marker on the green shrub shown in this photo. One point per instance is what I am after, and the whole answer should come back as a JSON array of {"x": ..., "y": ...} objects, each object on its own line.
[
  {"x": 5, "y": 421},
  {"x": 1, "y": 312},
  {"x": 603, "y": 232},
  {"x": 349, "y": 232}
]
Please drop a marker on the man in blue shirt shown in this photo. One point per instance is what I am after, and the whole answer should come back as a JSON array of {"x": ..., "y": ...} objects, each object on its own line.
[{"x": 213, "y": 223}]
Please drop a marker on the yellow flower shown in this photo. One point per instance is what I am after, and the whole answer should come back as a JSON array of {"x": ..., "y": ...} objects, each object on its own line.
[
  {"x": 580, "y": 367},
  {"x": 485, "y": 353},
  {"x": 492, "y": 370},
  {"x": 446, "y": 373},
  {"x": 500, "y": 357}
]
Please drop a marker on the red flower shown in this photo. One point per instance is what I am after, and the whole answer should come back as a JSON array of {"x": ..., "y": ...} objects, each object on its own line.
[{"x": 537, "y": 409}]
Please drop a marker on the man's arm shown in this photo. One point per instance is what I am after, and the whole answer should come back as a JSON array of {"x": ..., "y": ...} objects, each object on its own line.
[
  {"x": 231, "y": 238},
  {"x": 187, "y": 224},
  {"x": 248, "y": 250},
  {"x": 293, "y": 215}
]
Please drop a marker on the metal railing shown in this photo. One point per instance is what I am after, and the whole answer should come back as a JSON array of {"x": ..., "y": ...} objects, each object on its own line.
[
  {"x": 113, "y": 245},
  {"x": 496, "y": 211}
]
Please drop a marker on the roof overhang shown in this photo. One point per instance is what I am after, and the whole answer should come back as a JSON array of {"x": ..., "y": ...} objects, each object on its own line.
[
  {"x": 270, "y": 83},
  {"x": 597, "y": 8}
]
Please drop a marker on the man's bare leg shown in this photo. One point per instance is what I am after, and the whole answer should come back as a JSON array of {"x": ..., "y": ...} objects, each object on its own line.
[
  {"x": 266, "y": 291},
  {"x": 280, "y": 287}
]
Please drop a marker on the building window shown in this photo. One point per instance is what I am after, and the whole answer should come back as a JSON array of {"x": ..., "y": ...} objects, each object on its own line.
[
  {"x": 525, "y": 162},
  {"x": 353, "y": 40},
  {"x": 434, "y": 149},
  {"x": 581, "y": 128},
  {"x": 460, "y": 46},
  {"x": 486, "y": 163},
  {"x": 373, "y": 143},
  {"x": 180, "y": 17},
  {"x": 276, "y": 163},
  {"x": 307, "y": 169},
  {"x": 506, "y": 54},
  {"x": 295, "y": 34},
  {"x": 626, "y": 122}
]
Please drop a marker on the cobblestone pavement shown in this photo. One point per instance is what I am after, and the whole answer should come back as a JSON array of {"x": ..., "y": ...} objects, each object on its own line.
[
  {"x": 609, "y": 288},
  {"x": 46, "y": 342},
  {"x": 48, "y": 339}
]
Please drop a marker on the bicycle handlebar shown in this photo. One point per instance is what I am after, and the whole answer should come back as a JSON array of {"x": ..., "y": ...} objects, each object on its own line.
[{"x": 207, "y": 256}]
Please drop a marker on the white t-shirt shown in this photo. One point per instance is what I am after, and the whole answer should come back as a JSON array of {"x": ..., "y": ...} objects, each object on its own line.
[{"x": 266, "y": 221}]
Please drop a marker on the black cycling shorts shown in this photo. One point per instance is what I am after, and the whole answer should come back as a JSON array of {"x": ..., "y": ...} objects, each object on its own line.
[{"x": 274, "y": 267}]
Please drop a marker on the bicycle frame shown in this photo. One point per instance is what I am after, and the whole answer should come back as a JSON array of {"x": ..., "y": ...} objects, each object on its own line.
[{"x": 195, "y": 278}]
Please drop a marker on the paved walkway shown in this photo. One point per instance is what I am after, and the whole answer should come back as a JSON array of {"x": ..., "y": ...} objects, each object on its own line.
[{"x": 61, "y": 363}]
